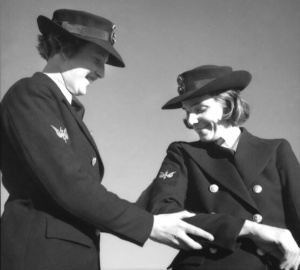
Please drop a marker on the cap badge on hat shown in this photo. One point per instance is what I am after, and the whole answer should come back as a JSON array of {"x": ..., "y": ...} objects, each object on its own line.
[
  {"x": 181, "y": 85},
  {"x": 113, "y": 36}
]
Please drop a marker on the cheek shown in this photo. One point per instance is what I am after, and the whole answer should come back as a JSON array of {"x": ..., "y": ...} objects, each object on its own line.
[
  {"x": 80, "y": 72},
  {"x": 215, "y": 115}
]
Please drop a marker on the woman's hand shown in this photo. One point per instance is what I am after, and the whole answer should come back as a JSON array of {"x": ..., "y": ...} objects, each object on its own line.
[
  {"x": 171, "y": 230},
  {"x": 275, "y": 241}
]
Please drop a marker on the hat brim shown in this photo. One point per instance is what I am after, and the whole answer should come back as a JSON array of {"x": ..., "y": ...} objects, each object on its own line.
[
  {"x": 47, "y": 26},
  {"x": 236, "y": 80}
]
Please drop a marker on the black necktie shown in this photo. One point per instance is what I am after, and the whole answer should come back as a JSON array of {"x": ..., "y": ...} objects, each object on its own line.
[
  {"x": 78, "y": 107},
  {"x": 218, "y": 143}
]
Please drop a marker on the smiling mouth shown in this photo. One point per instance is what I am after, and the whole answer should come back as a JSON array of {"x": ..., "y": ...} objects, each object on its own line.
[
  {"x": 199, "y": 129},
  {"x": 91, "y": 78}
]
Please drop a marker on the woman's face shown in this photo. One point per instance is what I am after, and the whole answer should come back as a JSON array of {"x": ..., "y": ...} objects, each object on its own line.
[
  {"x": 204, "y": 114},
  {"x": 86, "y": 66}
]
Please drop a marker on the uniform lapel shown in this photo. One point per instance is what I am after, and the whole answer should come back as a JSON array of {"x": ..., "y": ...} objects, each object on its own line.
[
  {"x": 220, "y": 169},
  {"x": 60, "y": 98},
  {"x": 252, "y": 156},
  {"x": 86, "y": 132},
  {"x": 81, "y": 124}
]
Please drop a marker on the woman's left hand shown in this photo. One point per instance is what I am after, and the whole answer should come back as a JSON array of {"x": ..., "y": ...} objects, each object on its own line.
[{"x": 277, "y": 242}]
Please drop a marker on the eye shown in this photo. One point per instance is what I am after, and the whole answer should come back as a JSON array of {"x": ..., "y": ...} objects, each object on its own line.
[{"x": 200, "y": 110}]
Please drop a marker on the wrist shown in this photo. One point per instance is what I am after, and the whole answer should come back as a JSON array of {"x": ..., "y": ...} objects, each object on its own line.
[
  {"x": 248, "y": 230},
  {"x": 154, "y": 226}
]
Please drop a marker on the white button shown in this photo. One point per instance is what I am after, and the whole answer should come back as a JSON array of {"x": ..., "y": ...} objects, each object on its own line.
[
  {"x": 213, "y": 250},
  {"x": 257, "y": 189},
  {"x": 257, "y": 218},
  {"x": 213, "y": 188},
  {"x": 94, "y": 160},
  {"x": 260, "y": 252},
  {"x": 97, "y": 231}
]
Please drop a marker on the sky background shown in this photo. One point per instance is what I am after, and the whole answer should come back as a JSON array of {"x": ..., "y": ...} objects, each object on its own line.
[{"x": 158, "y": 40}]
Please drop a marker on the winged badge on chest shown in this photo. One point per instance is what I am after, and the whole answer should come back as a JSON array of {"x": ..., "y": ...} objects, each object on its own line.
[{"x": 61, "y": 133}]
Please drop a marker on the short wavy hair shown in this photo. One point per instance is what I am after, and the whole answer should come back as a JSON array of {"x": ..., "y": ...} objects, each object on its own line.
[
  {"x": 236, "y": 111},
  {"x": 49, "y": 45}
]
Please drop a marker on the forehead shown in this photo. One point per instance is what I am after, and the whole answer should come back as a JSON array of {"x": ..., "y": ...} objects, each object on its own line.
[{"x": 203, "y": 100}]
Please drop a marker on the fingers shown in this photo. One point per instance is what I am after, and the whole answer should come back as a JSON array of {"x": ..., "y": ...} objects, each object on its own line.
[
  {"x": 291, "y": 252},
  {"x": 190, "y": 229},
  {"x": 170, "y": 230},
  {"x": 291, "y": 260},
  {"x": 193, "y": 229},
  {"x": 187, "y": 243},
  {"x": 184, "y": 214}
]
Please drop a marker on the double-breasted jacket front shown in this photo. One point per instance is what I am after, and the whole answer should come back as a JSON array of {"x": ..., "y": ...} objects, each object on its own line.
[
  {"x": 261, "y": 183},
  {"x": 52, "y": 170}
]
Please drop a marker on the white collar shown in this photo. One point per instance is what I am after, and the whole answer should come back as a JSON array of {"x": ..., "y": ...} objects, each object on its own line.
[
  {"x": 231, "y": 137},
  {"x": 56, "y": 78}
]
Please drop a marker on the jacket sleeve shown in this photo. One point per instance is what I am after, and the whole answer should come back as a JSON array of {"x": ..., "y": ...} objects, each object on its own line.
[
  {"x": 289, "y": 171},
  {"x": 168, "y": 195},
  {"x": 28, "y": 116}
]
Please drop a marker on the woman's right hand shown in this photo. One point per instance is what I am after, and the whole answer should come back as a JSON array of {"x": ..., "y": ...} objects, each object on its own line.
[
  {"x": 171, "y": 230},
  {"x": 275, "y": 241}
]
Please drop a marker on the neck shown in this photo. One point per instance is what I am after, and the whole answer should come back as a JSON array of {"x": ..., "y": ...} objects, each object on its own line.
[
  {"x": 54, "y": 64},
  {"x": 53, "y": 68}
]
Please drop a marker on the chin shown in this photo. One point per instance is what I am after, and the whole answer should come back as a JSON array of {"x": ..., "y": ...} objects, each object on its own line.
[{"x": 81, "y": 92}]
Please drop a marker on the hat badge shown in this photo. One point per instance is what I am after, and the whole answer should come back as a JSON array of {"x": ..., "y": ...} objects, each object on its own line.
[
  {"x": 113, "y": 37},
  {"x": 181, "y": 85}
]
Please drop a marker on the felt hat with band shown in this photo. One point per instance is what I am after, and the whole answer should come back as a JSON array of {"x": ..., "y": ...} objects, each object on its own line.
[
  {"x": 85, "y": 26},
  {"x": 207, "y": 80}
]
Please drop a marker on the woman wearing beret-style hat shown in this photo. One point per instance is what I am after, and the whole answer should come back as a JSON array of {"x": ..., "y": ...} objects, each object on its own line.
[
  {"x": 50, "y": 163},
  {"x": 243, "y": 189}
]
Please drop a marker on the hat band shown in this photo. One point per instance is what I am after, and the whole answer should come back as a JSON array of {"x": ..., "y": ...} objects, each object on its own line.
[
  {"x": 193, "y": 86},
  {"x": 201, "y": 83},
  {"x": 87, "y": 31}
]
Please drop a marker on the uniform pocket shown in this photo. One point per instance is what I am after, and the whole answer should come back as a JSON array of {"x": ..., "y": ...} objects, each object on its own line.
[{"x": 57, "y": 229}]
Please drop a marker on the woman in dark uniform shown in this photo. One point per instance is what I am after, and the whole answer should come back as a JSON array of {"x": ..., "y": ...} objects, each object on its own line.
[
  {"x": 243, "y": 189},
  {"x": 50, "y": 163}
]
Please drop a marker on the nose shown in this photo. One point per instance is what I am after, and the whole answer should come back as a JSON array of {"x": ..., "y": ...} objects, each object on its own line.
[
  {"x": 192, "y": 119},
  {"x": 100, "y": 72}
]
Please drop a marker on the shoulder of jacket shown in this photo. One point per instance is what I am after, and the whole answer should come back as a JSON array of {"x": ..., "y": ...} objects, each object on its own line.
[
  {"x": 38, "y": 85},
  {"x": 179, "y": 145}
]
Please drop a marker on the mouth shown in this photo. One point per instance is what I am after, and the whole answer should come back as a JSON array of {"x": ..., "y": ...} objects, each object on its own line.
[
  {"x": 200, "y": 129},
  {"x": 91, "y": 79}
]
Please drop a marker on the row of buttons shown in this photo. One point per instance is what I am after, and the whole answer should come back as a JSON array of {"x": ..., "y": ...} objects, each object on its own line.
[
  {"x": 256, "y": 189},
  {"x": 256, "y": 218}
]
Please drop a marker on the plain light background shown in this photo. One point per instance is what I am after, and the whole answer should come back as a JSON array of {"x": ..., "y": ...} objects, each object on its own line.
[{"x": 159, "y": 39}]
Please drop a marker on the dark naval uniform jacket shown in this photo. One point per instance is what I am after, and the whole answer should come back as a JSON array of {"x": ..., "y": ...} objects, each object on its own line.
[
  {"x": 52, "y": 170},
  {"x": 261, "y": 183}
]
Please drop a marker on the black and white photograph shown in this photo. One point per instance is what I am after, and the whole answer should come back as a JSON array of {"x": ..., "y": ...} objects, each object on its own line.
[{"x": 150, "y": 134}]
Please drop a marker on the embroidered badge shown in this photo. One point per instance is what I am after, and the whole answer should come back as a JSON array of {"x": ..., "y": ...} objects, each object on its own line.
[
  {"x": 181, "y": 85},
  {"x": 166, "y": 175},
  {"x": 61, "y": 133},
  {"x": 113, "y": 37}
]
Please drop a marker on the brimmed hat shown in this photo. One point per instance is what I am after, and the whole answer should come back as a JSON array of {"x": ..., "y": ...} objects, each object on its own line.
[
  {"x": 85, "y": 26},
  {"x": 208, "y": 79}
]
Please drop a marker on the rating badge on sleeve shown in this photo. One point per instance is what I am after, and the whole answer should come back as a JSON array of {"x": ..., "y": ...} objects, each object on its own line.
[{"x": 166, "y": 174}]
